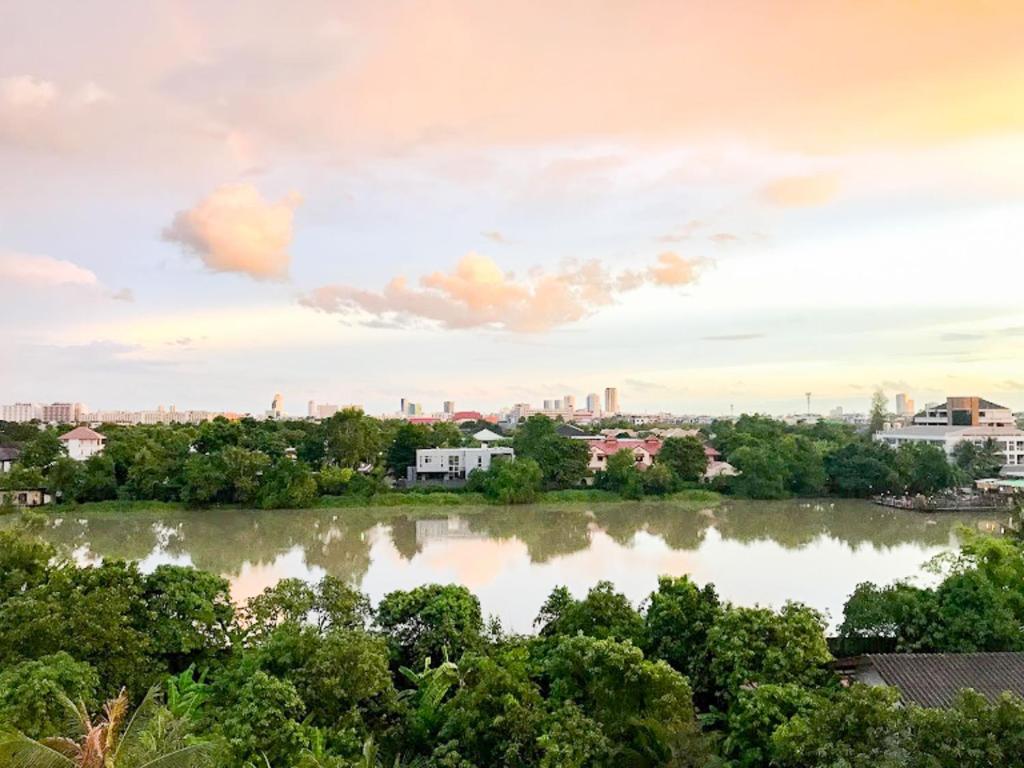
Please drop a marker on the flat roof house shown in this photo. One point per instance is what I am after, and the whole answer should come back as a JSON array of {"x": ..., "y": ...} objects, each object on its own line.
[{"x": 453, "y": 465}]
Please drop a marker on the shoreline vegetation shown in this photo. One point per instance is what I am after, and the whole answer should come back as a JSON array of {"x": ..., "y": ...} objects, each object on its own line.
[
  {"x": 352, "y": 459},
  {"x": 685, "y": 500}
]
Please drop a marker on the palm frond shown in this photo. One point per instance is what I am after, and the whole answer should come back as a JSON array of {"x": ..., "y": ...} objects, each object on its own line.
[
  {"x": 19, "y": 751},
  {"x": 139, "y": 720}
]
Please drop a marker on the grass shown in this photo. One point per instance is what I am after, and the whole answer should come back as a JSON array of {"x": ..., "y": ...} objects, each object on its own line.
[{"x": 409, "y": 499}]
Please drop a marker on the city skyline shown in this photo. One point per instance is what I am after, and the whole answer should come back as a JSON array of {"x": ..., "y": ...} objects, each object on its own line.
[{"x": 500, "y": 204}]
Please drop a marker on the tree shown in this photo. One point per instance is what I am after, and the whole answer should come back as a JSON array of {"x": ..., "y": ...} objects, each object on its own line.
[
  {"x": 260, "y": 721},
  {"x": 978, "y": 462},
  {"x": 31, "y": 693},
  {"x": 755, "y": 716},
  {"x": 42, "y": 450},
  {"x": 204, "y": 481},
  {"x": 679, "y": 617},
  {"x": 879, "y": 412},
  {"x": 508, "y": 481},
  {"x": 603, "y": 613},
  {"x": 862, "y": 468},
  {"x": 118, "y": 739},
  {"x": 756, "y": 646},
  {"x": 622, "y": 475},
  {"x": 98, "y": 481},
  {"x": 563, "y": 461},
  {"x": 351, "y": 439},
  {"x": 685, "y": 456},
  {"x": 408, "y": 439},
  {"x": 924, "y": 468},
  {"x": 859, "y": 727},
  {"x": 64, "y": 479},
  {"x": 429, "y": 622},
  {"x": 762, "y": 472},
  {"x": 288, "y": 484},
  {"x": 659, "y": 480},
  {"x": 644, "y": 708}
]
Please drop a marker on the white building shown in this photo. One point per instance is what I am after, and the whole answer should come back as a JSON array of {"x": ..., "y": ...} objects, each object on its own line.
[
  {"x": 965, "y": 412},
  {"x": 21, "y": 412},
  {"x": 593, "y": 403},
  {"x": 442, "y": 464},
  {"x": 1010, "y": 440},
  {"x": 82, "y": 442}
]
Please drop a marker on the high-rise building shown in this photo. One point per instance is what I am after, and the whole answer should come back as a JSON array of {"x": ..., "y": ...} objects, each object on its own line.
[
  {"x": 276, "y": 407},
  {"x": 403, "y": 406},
  {"x": 549, "y": 405},
  {"x": 62, "y": 413},
  {"x": 904, "y": 405},
  {"x": 449, "y": 407},
  {"x": 558, "y": 405},
  {"x": 311, "y": 409},
  {"x": 593, "y": 402},
  {"x": 611, "y": 400},
  {"x": 21, "y": 412},
  {"x": 569, "y": 401}
]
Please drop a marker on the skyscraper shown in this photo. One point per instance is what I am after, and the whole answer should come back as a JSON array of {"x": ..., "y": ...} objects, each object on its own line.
[
  {"x": 569, "y": 401},
  {"x": 904, "y": 405},
  {"x": 449, "y": 407},
  {"x": 593, "y": 402},
  {"x": 311, "y": 409},
  {"x": 611, "y": 400},
  {"x": 276, "y": 406}
]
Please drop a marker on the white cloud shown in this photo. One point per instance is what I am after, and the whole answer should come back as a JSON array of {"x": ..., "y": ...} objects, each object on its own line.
[
  {"x": 28, "y": 270},
  {"x": 26, "y": 92}
]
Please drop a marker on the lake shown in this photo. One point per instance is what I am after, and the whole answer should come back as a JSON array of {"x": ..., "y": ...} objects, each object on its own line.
[{"x": 754, "y": 552}]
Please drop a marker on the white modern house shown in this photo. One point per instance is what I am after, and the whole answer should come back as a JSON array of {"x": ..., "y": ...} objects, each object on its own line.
[
  {"x": 965, "y": 412},
  {"x": 1010, "y": 440},
  {"x": 82, "y": 442},
  {"x": 453, "y": 464}
]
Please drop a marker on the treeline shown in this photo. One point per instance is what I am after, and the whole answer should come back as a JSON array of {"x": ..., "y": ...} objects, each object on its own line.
[
  {"x": 289, "y": 464},
  {"x": 776, "y": 461},
  {"x": 313, "y": 676}
]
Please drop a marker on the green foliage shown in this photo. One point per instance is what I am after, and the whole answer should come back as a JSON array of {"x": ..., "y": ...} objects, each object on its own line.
[
  {"x": 622, "y": 475},
  {"x": 979, "y": 461},
  {"x": 685, "y": 456},
  {"x": 756, "y": 646},
  {"x": 31, "y": 693},
  {"x": 756, "y": 715},
  {"x": 924, "y": 468},
  {"x": 430, "y": 622},
  {"x": 862, "y": 468},
  {"x": 351, "y": 439},
  {"x": 562, "y": 460},
  {"x": 515, "y": 481},
  {"x": 603, "y": 613},
  {"x": 42, "y": 450},
  {"x": 288, "y": 484},
  {"x": 260, "y": 722}
]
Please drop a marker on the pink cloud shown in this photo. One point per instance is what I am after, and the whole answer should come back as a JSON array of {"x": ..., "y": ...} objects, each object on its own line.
[
  {"x": 25, "y": 269},
  {"x": 801, "y": 191},
  {"x": 236, "y": 230},
  {"x": 478, "y": 294}
]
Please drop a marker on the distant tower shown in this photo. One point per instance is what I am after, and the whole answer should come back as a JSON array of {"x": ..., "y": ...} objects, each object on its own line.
[
  {"x": 277, "y": 406},
  {"x": 611, "y": 400},
  {"x": 593, "y": 402},
  {"x": 808, "y": 394},
  {"x": 904, "y": 405},
  {"x": 449, "y": 407},
  {"x": 569, "y": 401},
  {"x": 311, "y": 409}
]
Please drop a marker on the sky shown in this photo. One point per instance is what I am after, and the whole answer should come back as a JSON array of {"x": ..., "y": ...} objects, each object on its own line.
[{"x": 705, "y": 204}]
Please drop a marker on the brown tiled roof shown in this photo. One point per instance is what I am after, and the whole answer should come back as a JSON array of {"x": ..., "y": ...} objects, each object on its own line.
[
  {"x": 934, "y": 679},
  {"x": 9, "y": 452},
  {"x": 82, "y": 433}
]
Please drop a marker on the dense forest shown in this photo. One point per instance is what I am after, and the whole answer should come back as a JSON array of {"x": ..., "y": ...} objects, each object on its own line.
[
  {"x": 353, "y": 458},
  {"x": 109, "y": 666}
]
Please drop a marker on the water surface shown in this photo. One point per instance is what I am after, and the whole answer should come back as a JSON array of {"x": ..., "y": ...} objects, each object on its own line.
[{"x": 754, "y": 552}]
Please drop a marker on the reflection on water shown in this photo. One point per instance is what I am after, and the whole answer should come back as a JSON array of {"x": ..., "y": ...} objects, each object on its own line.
[{"x": 754, "y": 552}]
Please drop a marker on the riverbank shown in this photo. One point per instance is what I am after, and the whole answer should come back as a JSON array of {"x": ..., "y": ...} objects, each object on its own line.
[{"x": 697, "y": 498}]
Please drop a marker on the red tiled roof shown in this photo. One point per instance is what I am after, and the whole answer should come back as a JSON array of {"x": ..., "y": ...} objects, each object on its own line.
[
  {"x": 82, "y": 433},
  {"x": 422, "y": 420},
  {"x": 467, "y": 416},
  {"x": 607, "y": 447}
]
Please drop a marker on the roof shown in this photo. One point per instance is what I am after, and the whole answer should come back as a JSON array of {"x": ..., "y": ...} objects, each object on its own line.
[
  {"x": 82, "y": 433},
  {"x": 9, "y": 452},
  {"x": 943, "y": 431},
  {"x": 467, "y": 416},
  {"x": 651, "y": 444},
  {"x": 988, "y": 405},
  {"x": 569, "y": 430},
  {"x": 934, "y": 679},
  {"x": 487, "y": 436}
]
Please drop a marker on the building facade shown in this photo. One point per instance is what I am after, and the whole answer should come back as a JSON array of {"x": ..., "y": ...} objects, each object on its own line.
[
  {"x": 454, "y": 464},
  {"x": 965, "y": 412},
  {"x": 1009, "y": 440},
  {"x": 82, "y": 442},
  {"x": 611, "y": 400}
]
